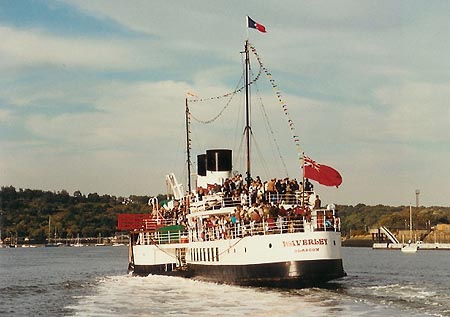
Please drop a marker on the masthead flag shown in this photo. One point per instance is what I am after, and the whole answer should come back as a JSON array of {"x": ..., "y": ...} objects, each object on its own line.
[
  {"x": 324, "y": 174},
  {"x": 255, "y": 25}
]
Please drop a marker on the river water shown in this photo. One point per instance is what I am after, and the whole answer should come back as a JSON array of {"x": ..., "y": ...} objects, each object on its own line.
[{"x": 92, "y": 281}]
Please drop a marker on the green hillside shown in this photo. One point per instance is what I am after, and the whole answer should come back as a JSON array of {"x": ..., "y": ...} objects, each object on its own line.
[{"x": 25, "y": 213}]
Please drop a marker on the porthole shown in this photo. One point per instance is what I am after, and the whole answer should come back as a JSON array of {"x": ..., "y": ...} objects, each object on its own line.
[
  {"x": 245, "y": 250},
  {"x": 270, "y": 245}
]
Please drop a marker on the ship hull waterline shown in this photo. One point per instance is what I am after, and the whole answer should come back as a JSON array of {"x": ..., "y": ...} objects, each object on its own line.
[
  {"x": 290, "y": 274},
  {"x": 291, "y": 260}
]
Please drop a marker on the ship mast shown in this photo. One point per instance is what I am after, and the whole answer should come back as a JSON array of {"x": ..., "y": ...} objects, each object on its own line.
[
  {"x": 188, "y": 149},
  {"x": 247, "y": 112}
]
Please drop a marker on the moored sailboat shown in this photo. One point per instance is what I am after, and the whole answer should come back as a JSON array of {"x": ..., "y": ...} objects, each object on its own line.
[
  {"x": 410, "y": 247},
  {"x": 49, "y": 243}
]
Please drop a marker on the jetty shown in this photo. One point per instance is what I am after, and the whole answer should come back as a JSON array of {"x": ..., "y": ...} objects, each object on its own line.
[{"x": 437, "y": 238}]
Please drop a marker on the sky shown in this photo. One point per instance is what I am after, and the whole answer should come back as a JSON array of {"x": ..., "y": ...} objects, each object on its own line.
[{"x": 93, "y": 93}]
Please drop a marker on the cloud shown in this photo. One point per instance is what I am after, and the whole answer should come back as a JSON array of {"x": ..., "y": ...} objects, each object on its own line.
[
  {"x": 37, "y": 48},
  {"x": 123, "y": 113},
  {"x": 364, "y": 84},
  {"x": 127, "y": 144},
  {"x": 416, "y": 111},
  {"x": 5, "y": 115}
]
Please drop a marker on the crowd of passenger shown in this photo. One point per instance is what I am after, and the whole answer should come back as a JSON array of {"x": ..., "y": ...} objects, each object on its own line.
[
  {"x": 236, "y": 189},
  {"x": 277, "y": 205}
]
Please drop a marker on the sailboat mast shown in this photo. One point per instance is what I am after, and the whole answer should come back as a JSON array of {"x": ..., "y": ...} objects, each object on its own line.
[
  {"x": 247, "y": 112},
  {"x": 410, "y": 222},
  {"x": 49, "y": 229},
  {"x": 188, "y": 149}
]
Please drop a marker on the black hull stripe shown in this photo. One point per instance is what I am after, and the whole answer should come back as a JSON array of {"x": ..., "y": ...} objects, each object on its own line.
[
  {"x": 283, "y": 274},
  {"x": 169, "y": 269}
]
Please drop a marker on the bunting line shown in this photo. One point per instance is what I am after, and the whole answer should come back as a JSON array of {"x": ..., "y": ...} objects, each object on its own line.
[
  {"x": 283, "y": 104},
  {"x": 275, "y": 89},
  {"x": 198, "y": 99}
]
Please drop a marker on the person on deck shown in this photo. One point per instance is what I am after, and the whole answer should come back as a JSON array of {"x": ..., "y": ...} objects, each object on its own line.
[
  {"x": 308, "y": 186},
  {"x": 317, "y": 202}
]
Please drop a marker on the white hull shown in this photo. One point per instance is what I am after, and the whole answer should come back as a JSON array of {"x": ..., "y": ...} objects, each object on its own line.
[
  {"x": 410, "y": 248},
  {"x": 269, "y": 248},
  {"x": 292, "y": 258}
]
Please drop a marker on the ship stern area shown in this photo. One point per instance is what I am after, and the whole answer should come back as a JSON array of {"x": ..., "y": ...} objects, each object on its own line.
[
  {"x": 163, "y": 259},
  {"x": 298, "y": 274},
  {"x": 295, "y": 260}
]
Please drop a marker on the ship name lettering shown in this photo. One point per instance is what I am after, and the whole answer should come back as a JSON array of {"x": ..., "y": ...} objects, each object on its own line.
[{"x": 295, "y": 243}]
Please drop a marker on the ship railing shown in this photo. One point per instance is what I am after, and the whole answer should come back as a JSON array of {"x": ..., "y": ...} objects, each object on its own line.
[
  {"x": 280, "y": 225},
  {"x": 147, "y": 237},
  {"x": 208, "y": 202},
  {"x": 325, "y": 220},
  {"x": 291, "y": 198},
  {"x": 318, "y": 221},
  {"x": 155, "y": 223},
  {"x": 218, "y": 200}
]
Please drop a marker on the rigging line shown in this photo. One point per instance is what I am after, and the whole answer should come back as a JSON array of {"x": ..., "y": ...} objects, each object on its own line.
[
  {"x": 156, "y": 244},
  {"x": 231, "y": 246},
  {"x": 239, "y": 157},
  {"x": 269, "y": 126},
  {"x": 197, "y": 99},
  {"x": 263, "y": 161},
  {"x": 281, "y": 101},
  {"x": 199, "y": 141},
  {"x": 239, "y": 137},
  {"x": 221, "y": 111},
  {"x": 260, "y": 155},
  {"x": 240, "y": 122}
]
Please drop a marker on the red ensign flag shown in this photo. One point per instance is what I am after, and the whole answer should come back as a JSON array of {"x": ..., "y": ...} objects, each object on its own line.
[{"x": 323, "y": 174}]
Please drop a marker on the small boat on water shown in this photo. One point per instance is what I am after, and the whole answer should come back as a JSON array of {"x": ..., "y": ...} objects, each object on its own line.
[
  {"x": 238, "y": 229},
  {"x": 78, "y": 243},
  {"x": 410, "y": 247},
  {"x": 100, "y": 242},
  {"x": 49, "y": 243}
]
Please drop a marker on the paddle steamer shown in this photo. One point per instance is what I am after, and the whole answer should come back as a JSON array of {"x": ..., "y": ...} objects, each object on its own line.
[{"x": 224, "y": 232}]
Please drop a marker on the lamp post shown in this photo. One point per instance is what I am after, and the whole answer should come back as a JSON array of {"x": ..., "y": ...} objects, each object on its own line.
[{"x": 417, "y": 197}]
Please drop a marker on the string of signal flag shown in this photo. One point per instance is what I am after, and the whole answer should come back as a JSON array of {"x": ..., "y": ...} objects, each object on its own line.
[
  {"x": 194, "y": 98},
  {"x": 324, "y": 174}
]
